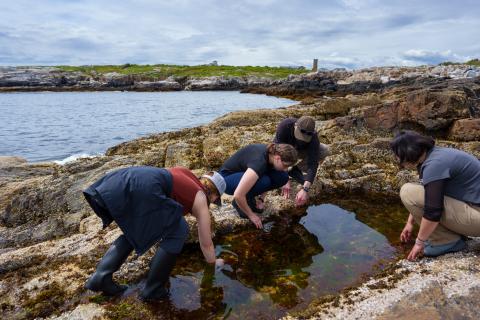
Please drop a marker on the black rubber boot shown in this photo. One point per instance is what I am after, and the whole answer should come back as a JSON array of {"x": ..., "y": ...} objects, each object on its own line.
[
  {"x": 160, "y": 267},
  {"x": 115, "y": 256}
]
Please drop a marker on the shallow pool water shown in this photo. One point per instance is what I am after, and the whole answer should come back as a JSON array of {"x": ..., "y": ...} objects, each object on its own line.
[{"x": 284, "y": 267}]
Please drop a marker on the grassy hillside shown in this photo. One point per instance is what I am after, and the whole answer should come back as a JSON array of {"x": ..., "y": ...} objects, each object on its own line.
[
  {"x": 162, "y": 71},
  {"x": 473, "y": 62}
]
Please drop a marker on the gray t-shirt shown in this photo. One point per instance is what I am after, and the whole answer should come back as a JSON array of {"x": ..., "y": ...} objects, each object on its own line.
[{"x": 460, "y": 169}]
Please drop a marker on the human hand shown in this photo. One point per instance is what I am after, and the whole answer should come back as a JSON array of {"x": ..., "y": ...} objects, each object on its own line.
[
  {"x": 219, "y": 263},
  {"x": 256, "y": 221},
  {"x": 416, "y": 252},
  {"x": 301, "y": 198},
  {"x": 286, "y": 190},
  {"x": 406, "y": 234}
]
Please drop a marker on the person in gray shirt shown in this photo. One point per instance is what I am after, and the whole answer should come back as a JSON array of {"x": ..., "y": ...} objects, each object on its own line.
[{"x": 446, "y": 204}]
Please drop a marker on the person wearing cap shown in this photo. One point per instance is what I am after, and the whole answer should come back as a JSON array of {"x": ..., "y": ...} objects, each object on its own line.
[
  {"x": 149, "y": 204},
  {"x": 254, "y": 170},
  {"x": 301, "y": 134}
]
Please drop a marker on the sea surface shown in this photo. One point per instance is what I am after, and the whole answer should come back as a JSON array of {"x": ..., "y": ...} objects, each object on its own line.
[{"x": 62, "y": 126}]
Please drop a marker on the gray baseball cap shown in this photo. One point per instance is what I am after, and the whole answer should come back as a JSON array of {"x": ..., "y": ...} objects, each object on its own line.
[
  {"x": 219, "y": 183},
  {"x": 304, "y": 129}
]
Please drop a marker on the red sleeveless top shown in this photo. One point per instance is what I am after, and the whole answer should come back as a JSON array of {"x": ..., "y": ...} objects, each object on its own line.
[{"x": 185, "y": 187}]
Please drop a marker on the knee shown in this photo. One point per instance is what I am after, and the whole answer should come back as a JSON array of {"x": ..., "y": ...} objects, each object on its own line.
[
  {"x": 174, "y": 243},
  {"x": 324, "y": 152},
  {"x": 412, "y": 194}
]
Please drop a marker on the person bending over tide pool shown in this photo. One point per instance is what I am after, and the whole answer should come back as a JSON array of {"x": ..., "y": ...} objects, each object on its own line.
[
  {"x": 148, "y": 205},
  {"x": 301, "y": 134},
  {"x": 446, "y": 204},
  {"x": 254, "y": 170}
]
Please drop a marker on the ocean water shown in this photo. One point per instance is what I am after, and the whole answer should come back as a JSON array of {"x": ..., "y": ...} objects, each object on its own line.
[{"x": 48, "y": 126}]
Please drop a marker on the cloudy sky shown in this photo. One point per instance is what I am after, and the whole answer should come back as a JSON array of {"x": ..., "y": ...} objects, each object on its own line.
[{"x": 341, "y": 33}]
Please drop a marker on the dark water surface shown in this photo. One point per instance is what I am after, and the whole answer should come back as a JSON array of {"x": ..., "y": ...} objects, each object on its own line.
[
  {"x": 44, "y": 126},
  {"x": 284, "y": 267}
]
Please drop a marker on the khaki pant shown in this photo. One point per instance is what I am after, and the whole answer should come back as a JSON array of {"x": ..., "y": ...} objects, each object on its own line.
[{"x": 458, "y": 217}]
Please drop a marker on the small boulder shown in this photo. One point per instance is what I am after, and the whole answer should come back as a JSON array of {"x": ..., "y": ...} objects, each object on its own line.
[{"x": 465, "y": 130}]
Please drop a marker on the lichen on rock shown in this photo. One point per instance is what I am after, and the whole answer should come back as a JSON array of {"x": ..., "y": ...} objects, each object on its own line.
[{"x": 46, "y": 228}]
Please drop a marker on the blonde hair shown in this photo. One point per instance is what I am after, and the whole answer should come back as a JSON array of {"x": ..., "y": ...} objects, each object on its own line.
[
  {"x": 287, "y": 153},
  {"x": 208, "y": 185}
]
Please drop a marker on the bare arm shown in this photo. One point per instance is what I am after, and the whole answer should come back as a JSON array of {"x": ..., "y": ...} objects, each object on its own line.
[
  {"x": 201, "y": 212},
  {"x": 426, "y": 228},
  {"x": 248, "y": 180},
  {"x": 434, "y": 195}
]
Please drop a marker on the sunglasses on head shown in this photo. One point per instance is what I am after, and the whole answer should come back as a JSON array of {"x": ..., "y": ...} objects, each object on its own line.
[{"x": 308, "y": 133}]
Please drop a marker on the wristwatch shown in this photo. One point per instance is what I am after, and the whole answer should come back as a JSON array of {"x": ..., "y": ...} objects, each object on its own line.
[{"x": 306, "y": 189}]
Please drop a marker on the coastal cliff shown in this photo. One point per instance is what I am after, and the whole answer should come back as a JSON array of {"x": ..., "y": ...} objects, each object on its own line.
[{"x": 50, "y": 240}]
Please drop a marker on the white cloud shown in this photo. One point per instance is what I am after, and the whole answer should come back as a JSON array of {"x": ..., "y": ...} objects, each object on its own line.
[
  {"x": 343, "y": 33},
  {"x": 432, "y": 57}
]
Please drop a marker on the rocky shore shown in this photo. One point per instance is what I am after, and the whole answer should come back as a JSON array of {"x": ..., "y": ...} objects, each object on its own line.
[
  {"x": 50, "y": 240},
  {"x": 340, "y": 81}
]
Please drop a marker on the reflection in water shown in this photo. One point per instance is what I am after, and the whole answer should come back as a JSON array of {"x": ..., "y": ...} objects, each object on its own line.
[
  {"x": 283, "y": 267},
  {"x": 273, "y": 262}
]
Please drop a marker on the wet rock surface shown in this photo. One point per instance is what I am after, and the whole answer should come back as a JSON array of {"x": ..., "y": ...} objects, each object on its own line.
[
  {"x": 446, "y": 287},
  {"x": 50, "y": 240}
]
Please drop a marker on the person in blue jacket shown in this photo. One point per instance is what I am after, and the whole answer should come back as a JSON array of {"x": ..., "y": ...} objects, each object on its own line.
[{"x": 148, "y": 205}]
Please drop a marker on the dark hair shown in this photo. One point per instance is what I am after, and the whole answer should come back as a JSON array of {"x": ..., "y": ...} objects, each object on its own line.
[
  {"x": 409, "y": 146},
  {"x": 287, "y": 153}
]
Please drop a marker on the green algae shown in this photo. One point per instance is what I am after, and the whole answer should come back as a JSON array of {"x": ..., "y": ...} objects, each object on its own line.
[
  {"x": 128, "y": 309},
  {"x": 47, "y": 302},
  {"x": 98, "y": 299},
  {"x": 292, "y": 263},
  {"x": 289, "y": 265}
]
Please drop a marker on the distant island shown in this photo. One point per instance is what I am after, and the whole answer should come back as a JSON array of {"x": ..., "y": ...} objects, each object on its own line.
[{"x": 163, "y": 77}]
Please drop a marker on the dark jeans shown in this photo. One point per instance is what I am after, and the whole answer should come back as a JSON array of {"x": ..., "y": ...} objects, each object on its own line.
[{"x": 272, "y": 179}]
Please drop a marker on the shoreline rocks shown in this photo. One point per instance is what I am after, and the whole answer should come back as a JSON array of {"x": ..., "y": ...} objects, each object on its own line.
[
  {"x": 339, "y": 81},
  {"x": 49, "y": 237}
]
